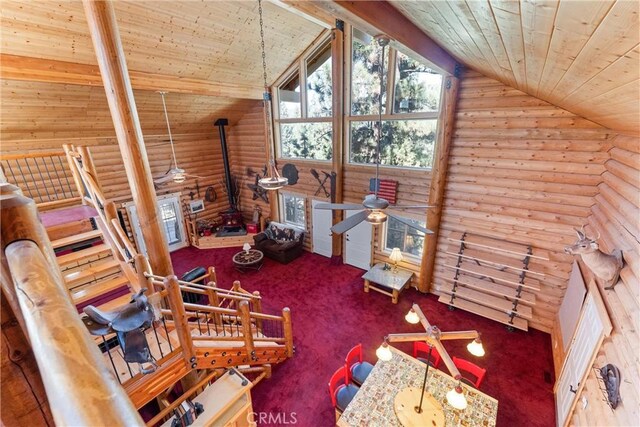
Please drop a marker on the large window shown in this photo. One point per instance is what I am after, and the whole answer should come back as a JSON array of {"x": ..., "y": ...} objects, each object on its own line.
[
  {"x": 293, "y": 209},
  {"x": 304, "y": 115},
  {"x": 408, "y": 239},
  {"x": 410, "y": 106}
]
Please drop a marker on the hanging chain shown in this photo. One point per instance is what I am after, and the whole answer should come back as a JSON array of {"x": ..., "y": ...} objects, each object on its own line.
[
  {"x": 267, "y": 94},
  {"x": 383, "y": 43}
]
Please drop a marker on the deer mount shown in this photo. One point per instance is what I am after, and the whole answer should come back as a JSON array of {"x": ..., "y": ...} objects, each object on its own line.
[{"x": 605, "y": 266}]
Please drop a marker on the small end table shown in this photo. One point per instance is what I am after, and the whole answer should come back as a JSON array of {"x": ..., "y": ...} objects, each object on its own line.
[
  {"x": 386, "y": 281},
  {"x": 248, "y": 260}
]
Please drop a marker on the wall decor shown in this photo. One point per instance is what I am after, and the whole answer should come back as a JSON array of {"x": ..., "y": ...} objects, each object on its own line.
[{"x": 290, "y": 172}]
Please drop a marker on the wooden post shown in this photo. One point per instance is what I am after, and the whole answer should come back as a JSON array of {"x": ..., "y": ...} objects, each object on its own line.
[
  {"x": 88, "y": 165},
  {"x": 212, "y": 275},
  {"x": 288, "y": 331},
  {"x": 74, "y": 172},
  {"x": 257, "y": 308},
  {"x": 214, "y": 301},
  {"x": 180, "y": 320},
  {"x": 337, "y": 78},
  {"x": 142, "y": 266},
  {"x": 245, "y": 316},
  {"x": 103, "y": 28},
  {"x": 110, "y": 212},
  {"x": 438, "y": 180}
]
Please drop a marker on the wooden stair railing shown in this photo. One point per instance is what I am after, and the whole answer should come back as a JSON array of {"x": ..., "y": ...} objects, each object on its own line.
[{"x": 79, "y": 387}]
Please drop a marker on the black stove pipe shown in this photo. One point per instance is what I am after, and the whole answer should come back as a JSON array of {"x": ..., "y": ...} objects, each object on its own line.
[{"x": 221, "y": 123}]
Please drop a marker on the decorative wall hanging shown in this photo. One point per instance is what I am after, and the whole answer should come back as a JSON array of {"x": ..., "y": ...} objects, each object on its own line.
[
  {"x": 386, "y": 188},
  {"x": 210, "y": 195},
  {"x": 258, "y": 191},
  {"x": 321, "y": 181},
  {"x": 604, "y": 266},
  {"x": 290, "y": 172}
]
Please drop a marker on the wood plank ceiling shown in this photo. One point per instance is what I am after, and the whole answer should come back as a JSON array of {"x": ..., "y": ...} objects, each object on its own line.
[{"x": 580, "y": 55}]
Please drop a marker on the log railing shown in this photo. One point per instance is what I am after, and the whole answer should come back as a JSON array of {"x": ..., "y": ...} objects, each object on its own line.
[
  {"x": 84, "y": 172},
  {"x": 71, "y": 366},
  {"x": 44, "y": 177}
]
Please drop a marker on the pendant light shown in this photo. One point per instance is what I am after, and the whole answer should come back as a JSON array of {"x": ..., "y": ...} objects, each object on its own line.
[
  {"x": 274, "y": 181},
  {"x": 178, "y": 174}
]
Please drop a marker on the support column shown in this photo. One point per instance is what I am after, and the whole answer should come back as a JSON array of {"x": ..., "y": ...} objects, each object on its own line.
[
  {"x": 438, "y": 180},
  {"x": 337, "y": 159},
  {"x": 115, "y": 77}
]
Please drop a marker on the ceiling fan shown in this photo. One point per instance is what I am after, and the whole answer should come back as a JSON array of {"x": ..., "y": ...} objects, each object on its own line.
[
  {"x": 374, "y": 209},
  {"x": 175, "y": 173}
]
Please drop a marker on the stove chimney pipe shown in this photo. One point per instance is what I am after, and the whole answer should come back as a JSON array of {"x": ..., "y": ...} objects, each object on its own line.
[{"x": 221, "y": 123}]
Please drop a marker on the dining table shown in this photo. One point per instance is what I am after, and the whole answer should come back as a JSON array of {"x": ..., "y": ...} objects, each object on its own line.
[{"x": 373, "y": 404}]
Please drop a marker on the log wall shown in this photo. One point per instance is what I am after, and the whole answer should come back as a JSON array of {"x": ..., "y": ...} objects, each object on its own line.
[
  {"x": 524, "y": 171},
  {"x": 615, "y": 216}
]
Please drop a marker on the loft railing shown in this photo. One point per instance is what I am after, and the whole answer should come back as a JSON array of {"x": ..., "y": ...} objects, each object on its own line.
[
  {"x": 79, "y": 387},
  {"x": 45, "y": 177}
]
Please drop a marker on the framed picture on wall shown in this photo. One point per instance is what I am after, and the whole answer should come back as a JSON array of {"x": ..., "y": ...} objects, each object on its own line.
[{"x": 196, "y": 206}]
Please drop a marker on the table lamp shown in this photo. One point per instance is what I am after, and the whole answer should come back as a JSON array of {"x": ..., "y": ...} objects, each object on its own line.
[
  {"x": 396, "y": 257},
  {"x": 246, "y": 247}
]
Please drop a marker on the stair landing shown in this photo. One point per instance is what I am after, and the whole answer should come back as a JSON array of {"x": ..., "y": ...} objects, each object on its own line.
[{"x": 66, "y": 215}]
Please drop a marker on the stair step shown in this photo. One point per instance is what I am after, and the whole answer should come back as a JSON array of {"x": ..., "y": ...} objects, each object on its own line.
[
  {"x": 115, "y": 303},
  {"x": 60, "y": 231},
  {"x": 96, "y": 272},
  {"x": 498, "y": 303},
  {"x": 82, "y": 237},
  {"x": 94, "y": 290},
  {"x": 493, "y": 288},
  {"x": 485, "y": 311},
  {"x": 84, "y": 256}
]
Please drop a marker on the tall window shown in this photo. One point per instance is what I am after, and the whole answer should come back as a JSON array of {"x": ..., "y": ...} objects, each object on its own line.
[
  {"x": 410, "y": 105},
  {"x": 304, "y": 108},
  {"x": 398, "y": 235},
  {"x": 293, "y": 209}
]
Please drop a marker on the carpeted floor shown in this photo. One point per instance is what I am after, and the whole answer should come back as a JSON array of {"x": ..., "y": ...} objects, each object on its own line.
[{"x": 331, "y": 314}]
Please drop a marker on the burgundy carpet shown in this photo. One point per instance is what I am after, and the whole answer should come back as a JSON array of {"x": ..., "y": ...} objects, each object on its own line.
[
  {"x": 66, "y": 215},
  {"x": 331, "y": 314}
]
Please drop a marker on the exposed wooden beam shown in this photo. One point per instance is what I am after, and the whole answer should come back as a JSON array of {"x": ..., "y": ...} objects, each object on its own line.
[
  {"x": 14, "y": 67},
  {"x": 307, "y": 11},
  {"x": 103, "y": 28},
  {"x": 337, "y": 159},
  {"x": 439, "y": 179},
  {"x": 380, "y": 17}
]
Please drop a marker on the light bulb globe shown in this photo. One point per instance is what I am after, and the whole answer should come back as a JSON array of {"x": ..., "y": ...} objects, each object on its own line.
[
  {"x": 384, "y": 353},
  {"x": 475, "y": 347},
  {"x": 412, "y": 317},
  {"x": 456, "y": 398}
]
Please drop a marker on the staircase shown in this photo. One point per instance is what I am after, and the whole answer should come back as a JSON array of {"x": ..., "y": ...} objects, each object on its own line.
[{"x": 91, "y": 272}]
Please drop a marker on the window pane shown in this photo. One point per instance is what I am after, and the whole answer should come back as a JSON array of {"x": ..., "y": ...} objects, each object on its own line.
[
  {"x": 407, "y": 239},
  {"x": 417, "y": 87},
  {"x": 294, "y": 210},
  {"x": 408, "y": 143},
  {"x": 365, "y": 78},
  {"x": 319, "y": 88},
  {"x": 306, "y": 140},
  {"x": 289, "y": 96}
]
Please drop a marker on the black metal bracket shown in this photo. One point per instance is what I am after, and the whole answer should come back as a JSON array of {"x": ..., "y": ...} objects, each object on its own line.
[{"x": 458, "y": 262}]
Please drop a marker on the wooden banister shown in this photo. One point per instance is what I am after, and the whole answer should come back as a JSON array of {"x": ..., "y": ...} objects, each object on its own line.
[
  {"x": 247, "y": 333},
  {"x": 80, "y": 388},
  {"x": 288, "y": 331},
  {"x": 180, "y": 319}
]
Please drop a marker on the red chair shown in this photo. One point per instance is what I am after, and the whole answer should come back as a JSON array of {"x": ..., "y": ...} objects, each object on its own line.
[
  {"x": 341, "y": 391},
  {"x": 470, "y": 368},
  {"x": 420, "y": 347},
  {"x": 357, "y": 370}
]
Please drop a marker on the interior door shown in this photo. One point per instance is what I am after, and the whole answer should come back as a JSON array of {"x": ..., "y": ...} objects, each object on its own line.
[
  {"x": 592, "y": 327},
  {"x": 321, "y": 229},
  {"x": 171, "y": 221},
  {"x": 357, "y": 244}
]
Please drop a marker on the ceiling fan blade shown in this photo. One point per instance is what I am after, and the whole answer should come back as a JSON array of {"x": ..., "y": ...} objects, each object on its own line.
[
  {"x": 350, "y": 222},
  {"x": 165, "y": 178},
  {"x": 346, "y": 206},
  {"x": 194, "y": 176},
  {"x": 411, "y": 207},
  {"x": 410, "y": 224}
]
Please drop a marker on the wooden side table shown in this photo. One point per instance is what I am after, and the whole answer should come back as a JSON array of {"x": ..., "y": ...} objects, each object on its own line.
[
  {"x": 248, "y": 260},
  {"x": 386, "y": 281}
]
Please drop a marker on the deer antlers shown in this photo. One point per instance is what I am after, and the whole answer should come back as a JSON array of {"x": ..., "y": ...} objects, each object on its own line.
[{"x": 582, "y": 234}]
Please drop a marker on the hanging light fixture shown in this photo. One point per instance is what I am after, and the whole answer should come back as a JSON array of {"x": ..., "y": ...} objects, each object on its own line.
[
  {"x": 455, "y": 396},
  {"x": 475, "y": 347},
  {"x": 274, "y": 181}
]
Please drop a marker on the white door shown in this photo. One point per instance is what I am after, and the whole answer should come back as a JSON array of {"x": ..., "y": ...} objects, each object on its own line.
[
  {"x": 171, "y": 221},
  {"x": 590, "y": 332},
  {"x": 321, "y": 222},
  {"x": 357, "y": 244}
]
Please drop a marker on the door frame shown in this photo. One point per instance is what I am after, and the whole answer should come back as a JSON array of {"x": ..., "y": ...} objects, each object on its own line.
[{"x": 137, "y": 236}]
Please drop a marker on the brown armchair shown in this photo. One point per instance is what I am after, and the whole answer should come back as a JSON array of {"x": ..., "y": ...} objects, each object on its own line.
[{"x": 281, "y": 242}]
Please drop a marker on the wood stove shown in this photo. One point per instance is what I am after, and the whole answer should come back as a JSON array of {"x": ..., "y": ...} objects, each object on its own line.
[{"x": 232, "y": 223}]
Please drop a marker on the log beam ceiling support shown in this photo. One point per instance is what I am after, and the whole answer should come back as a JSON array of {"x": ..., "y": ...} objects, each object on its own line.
[
  {"x": 115, "y": 76},
  {"x": 337, "y": 70},
  {"x": 439, "y": 179},
  {"x": 376, "y": 17},
  {"x": 23, "y": 68}
]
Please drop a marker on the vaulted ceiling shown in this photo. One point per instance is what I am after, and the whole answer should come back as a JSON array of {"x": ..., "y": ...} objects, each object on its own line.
[{"x": 580, "y": 55}]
